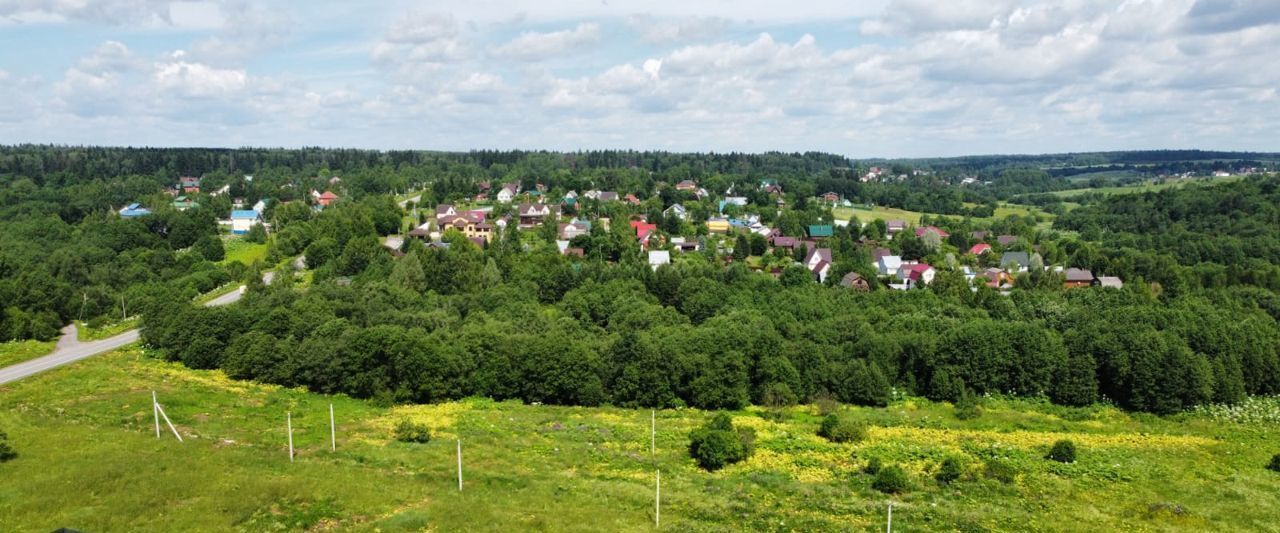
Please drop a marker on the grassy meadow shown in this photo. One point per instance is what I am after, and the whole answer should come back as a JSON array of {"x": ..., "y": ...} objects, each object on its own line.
[
  {"x": 1146, "y": 187},
  {"x": 241, "y": 250},
  {"x": 89, "y": 459}
]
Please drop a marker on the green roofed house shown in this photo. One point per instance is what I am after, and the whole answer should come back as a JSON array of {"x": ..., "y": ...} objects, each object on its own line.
[
  {"x": 821, "y": 231},
  {"x": 183, "y": 203}
]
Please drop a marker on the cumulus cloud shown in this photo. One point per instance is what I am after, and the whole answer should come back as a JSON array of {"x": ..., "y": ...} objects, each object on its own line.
[
  {"x": 111, "y": 12},
  {"x": 1215, "y": 16},
  {"x": 535, "y": 46},
  {"x": 676, "y": 30},
  {"x": 938, "y": 78}
]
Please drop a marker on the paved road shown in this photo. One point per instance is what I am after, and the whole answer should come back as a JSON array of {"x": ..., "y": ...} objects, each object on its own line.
[{"x": 70, "y": 349}]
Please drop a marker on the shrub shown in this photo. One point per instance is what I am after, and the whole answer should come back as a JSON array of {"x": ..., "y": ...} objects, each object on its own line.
[
  {"x": 718, "y": 444},
  {"x": 967, "y": 407},
  {"x": 6, "y": 452},
  {"x": 891, "y": 480},
  {"x": 826, "y": 403},
  {"x": 1063, "y": 451},
  {"x": 949, "y": 471},
  {"x": 1275, "y": 463},
  {"x": 1001, "y": 471},
  {"x": 407, "y": 431},
  {"x": 873, "y": 466},
  {"x": 842, "y": 428}
]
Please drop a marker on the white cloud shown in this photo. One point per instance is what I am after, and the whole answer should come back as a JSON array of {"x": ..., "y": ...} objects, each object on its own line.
[
  {"x": 535, "y": 46},
  {"x": 676, "y": 30},
  {"x": 199, "y": 80},
  {"x": 113, "y": 12}
]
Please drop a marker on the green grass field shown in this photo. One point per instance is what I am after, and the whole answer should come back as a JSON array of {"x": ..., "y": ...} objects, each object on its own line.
[
  {"x": 89, "y": 459},
  {"x": 14, "y": 352},
  {"x": 913, "y": 217},
  {"x": 239, "y": 249},
  {"x": 1146, "y": 187}
]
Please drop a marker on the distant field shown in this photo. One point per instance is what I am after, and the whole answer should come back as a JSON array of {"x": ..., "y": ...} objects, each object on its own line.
[
  {"x": 239, "y": 249},
  {"x": 89, "y": 460},
  {"x": 913, "y": 217},
  {"x": 14, "y": 352},
  {"x": 880, "y": 212},
  {"x": 1148, "y": 187}
]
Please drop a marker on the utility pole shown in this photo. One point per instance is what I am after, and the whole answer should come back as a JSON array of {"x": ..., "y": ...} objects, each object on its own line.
[
  {"x": 333, "y": 431},
  {"x": 288, "y": 418}
]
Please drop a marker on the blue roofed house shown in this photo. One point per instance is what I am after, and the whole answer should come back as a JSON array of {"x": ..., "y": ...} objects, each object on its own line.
[
  {"x": 244, "y": 220},
  {"x": 134, "y": 210}
]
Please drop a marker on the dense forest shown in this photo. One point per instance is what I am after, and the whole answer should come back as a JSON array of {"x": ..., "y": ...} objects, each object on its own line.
[{"x": 1195, "y": 323}]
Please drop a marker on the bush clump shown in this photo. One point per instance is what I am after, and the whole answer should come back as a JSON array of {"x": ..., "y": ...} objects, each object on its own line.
[
  {"x": 1275, "y": 463},
  {"x": 842, "y": 428},
  {"x": 967, "y": 407},
  {"x": 873, "y": 466},
  {"x": 6, "y": 452},
  {"x": 718, "y": 444},
  {"x": 1001, "y": 471},
  {"x": 891, "y": 480},
  {"x": 1063, "y": 451},
  {"x": 407, "y": 431},
  {"x": 949, "y": 471}
]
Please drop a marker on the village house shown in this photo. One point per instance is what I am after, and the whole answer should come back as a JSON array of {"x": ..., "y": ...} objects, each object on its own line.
[
  {"x": 916, "y": 274},
  {"x": 189, "y": 184},
  {"x": 980, "y": 248},
  {"x": 855, "y": 281},
  {"x": 658, "y": 258},
  {"x": 183, "y": 203},
  {"x": 1015, "y": 261},
  {"x": 134, "y": 210},
  {"x": 889, "y": 265},
  {"x": 607, "y": 196},
  {"x": 821, "y": 231},
  {"x": 718, "y": 225},
  {"x": 677, "y": 211},
  {"x": 1006, "y": 240},
  {"x": 892, "y": 227},
  {"x": 571, "y": 230},
  {"x": 327, "y": 199},
  {"x": 819, "y": 263},
  {"x": 687, "y": 185},
  {"x": 920, "y": 232},
  {"x": 508, "y": 192},
  {"x": 471, "y": 224},
  {"x": 244, "y": 220},
  {"x": 1110, "y": 282},
  {"x": 533, "y": 214},
  {"x": 1078, "y": 277},
  {"x": 830, "y": 197}
]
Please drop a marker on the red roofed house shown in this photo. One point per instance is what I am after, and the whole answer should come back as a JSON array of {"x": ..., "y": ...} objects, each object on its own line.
[
  {"x": 980, "y": 248},
  {"x": 190, "y": 185},
  {"x": 830, "y": 197},
  {"x": 631, "y": 199},
  {"x": 643, "y": 231},
  {"x": 327, "y": 199},
  {"x": 921, "y": 231},
  {"x": 917, "y": 274},
  {"x": 819, "y": 262},
  {"x": 687, "y": 185}
]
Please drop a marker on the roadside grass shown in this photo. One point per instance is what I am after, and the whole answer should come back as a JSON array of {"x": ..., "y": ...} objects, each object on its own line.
[
  {"x": 89, "y": 459},
  {"x": 240, "y": 250},
  {"x": 86, "y": 333},
  {"x": 14, "y": 352}
]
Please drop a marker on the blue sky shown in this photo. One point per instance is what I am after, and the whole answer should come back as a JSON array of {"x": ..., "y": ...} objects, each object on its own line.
[{"x": 876, "y": 78}]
